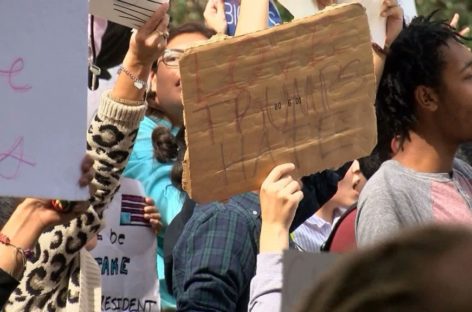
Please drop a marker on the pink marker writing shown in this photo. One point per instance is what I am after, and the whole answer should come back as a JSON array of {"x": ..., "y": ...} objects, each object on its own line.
[
  {"x": 15, "y": 69},
  {"x": 15, "y": 152}
]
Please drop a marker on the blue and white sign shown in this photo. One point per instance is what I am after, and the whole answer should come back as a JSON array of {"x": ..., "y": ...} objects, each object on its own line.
[{"x": 232, "y": 15}]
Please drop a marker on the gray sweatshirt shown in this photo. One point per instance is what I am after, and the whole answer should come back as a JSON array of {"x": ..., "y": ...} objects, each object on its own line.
[{"x": 397, "y": 197}]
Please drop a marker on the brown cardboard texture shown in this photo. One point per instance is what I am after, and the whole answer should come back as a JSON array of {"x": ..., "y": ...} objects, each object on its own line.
[{"x": 301, "y": 92}]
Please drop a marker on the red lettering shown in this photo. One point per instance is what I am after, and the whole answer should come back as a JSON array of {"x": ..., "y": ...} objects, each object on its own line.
[
  {"x": 15, "y": 152},
  {"x": 15, "y": 69}
]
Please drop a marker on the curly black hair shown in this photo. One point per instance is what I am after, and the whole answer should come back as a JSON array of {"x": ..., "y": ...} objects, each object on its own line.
[{"x": 415, "y": 59}]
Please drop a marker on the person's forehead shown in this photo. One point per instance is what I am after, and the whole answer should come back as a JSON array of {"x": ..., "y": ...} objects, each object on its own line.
[
  {"x": 183, "y": 41},
  {"x": 456, "y": 56}
]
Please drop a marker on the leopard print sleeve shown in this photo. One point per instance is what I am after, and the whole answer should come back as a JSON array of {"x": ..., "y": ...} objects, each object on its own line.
[{"x": 51, "y": 280}]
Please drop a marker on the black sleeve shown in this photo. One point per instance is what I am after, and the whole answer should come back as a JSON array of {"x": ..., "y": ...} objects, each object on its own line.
[
  {"x": 7, "y": 286},
  {"x": 317, "y": 189},
  {"x": 172, "y": 235}
]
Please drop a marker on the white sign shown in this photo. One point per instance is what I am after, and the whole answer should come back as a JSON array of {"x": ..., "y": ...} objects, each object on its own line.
[
  {"x": 130, "y": 13},
  {"x": 43, "y": 97},
  {"x": 126, "y": 254},
  {"x": 304, "y": 8},
  {"x": 409, "y": 9}
]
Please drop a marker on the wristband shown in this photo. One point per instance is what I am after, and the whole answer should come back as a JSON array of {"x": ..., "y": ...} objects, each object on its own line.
[
  {"x": 138, "y": 83},
  {"x": 25, "y": 253},
  {"x": 62, "y": 205}
]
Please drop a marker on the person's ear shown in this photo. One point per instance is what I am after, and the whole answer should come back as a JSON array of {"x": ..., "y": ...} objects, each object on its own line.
[
  {"x": 153, "y": 75},
  {"x": 395, "y": 145},
  {"x": 427, "y": 98},
  {"x": 151, "y": 96}
]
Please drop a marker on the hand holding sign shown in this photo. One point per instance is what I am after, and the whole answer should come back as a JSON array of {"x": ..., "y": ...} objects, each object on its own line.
[
  {"x": 215, "y": 16},
  {"x": 280, "y": 194},
  {"x": 324, "y": 3},
  {"x": 146, "y": 45},
  {"x": 152, "y": 215},
  {"x": 149, "y": 41},
  {"x": 394, "y": 14},
  {"x": 42, "y": 212}
]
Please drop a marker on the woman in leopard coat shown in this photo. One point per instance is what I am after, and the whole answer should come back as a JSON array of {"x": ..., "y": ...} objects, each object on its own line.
[{"x": 62, "y": 276}]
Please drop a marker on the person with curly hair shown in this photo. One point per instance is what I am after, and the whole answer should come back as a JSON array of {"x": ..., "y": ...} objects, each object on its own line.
[{"x": 426, "y": 102}]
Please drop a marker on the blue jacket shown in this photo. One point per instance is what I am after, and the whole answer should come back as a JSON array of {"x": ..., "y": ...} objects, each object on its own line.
[{"x": 155, "y": 177}]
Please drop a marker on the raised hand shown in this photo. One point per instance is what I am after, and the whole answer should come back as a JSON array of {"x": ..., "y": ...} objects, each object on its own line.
[
  {"x": 148, "y": 43},
  {"x": 324, "y": 3},
  {"x": 279, "y": 197},
  {"x": 214, "y": 15},
  {"x": 145, "y": 47},
  {"x": 46, "y": 214},
  {"x": 455, "y": 22},
  {"x": 394, "y": 14}
]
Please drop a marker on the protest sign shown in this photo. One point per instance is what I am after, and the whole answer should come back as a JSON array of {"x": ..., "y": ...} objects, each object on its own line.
[
  {"x": 130, "y": 13},
  {"x": 126, "y": 253},
  {"x": 301, "y": 92},
  {"x": 232, "y": 15},
  {"x": 43, "y": 90},
  {"x": 302, "y": 270},
  {"x": 377, "y": 23},
  {"x": 409, "y": 9}
]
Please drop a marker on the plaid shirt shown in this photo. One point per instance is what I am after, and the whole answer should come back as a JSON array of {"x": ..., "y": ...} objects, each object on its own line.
[{"x": 215, "y": 256}]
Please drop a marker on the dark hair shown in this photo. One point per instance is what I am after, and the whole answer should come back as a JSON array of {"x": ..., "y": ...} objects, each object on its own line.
[
  {"x": 168, "y": 148},
  {"x": 370, "y": 164},
  {"x": 191, "y": 27},
  {"x": 7, "y": 206},
  {"x": 465, "y": 153},
  {"x": 414, "y": 59},
  {"x": 115, "y": 44},
  {"x": 164, "y": 144},
  {"x": 177, "y": 169},
  {"x": 407, "y": 273},
  {"x": 188, "y": 28}
]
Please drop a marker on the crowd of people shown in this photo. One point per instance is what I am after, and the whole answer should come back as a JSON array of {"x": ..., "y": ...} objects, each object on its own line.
[{"x": 227, "y": 256}]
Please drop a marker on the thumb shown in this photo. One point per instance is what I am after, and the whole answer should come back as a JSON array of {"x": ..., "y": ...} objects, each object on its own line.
[{"x": 220, "y": 6}]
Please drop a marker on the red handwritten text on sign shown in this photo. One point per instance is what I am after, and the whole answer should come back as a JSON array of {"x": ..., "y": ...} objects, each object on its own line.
[
  {"x": 14, "y": 153},
  {"x": 9, "y": 74}
]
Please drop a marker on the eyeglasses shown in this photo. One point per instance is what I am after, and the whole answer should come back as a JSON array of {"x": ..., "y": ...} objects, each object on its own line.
[{"x": 171, "y": 57}]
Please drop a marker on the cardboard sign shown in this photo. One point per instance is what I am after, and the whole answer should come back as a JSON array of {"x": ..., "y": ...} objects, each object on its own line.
[
  {"x": 43, "y": 91},
  {"x": 232, "y": 15},
  {"x": 130, "y": 13},
  {"x": 377, "y": 23},
  {"x": 301, "y": 270},
  {"x": 301, "y": 92},
  {"x": 126, "y": 253}
]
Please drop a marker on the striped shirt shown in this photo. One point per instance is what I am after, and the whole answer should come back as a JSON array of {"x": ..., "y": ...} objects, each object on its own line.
[{"x": 315, "y": 231}]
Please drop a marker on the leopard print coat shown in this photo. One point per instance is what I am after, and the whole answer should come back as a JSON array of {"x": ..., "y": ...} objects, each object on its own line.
[{"x": 51, "y": 281}]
